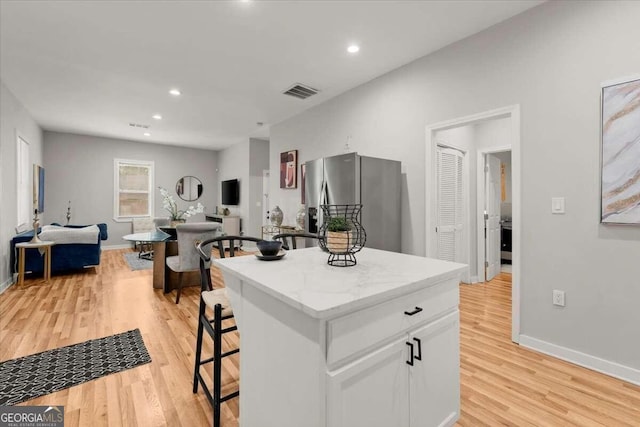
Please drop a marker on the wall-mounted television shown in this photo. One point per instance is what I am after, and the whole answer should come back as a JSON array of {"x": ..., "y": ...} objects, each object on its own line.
[{"x": 231, "y": 192}]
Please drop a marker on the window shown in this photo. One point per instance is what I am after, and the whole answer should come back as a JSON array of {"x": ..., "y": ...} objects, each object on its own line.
[
  {"x": 133, "y": 188},
  {"x": 23, "y": 171}
]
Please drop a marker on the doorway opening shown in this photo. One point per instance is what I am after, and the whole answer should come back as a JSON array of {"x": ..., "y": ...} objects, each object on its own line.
[
  {"x": 495, "y": 212},
  {"x": 480, "y": 136},
  {"x": 265, "y": 197}
]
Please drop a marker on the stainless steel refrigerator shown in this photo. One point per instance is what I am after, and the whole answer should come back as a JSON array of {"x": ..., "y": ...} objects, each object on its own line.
[{"x": 353, "y": 179}]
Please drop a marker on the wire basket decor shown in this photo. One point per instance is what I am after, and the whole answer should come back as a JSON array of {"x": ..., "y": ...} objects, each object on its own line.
[{"x": 342, "y": 233}]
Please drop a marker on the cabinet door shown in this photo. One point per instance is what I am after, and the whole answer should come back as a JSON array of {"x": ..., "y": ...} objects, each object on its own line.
[
  {"x": 434, "y": 381},
  {"x": 373, "y": 391}
]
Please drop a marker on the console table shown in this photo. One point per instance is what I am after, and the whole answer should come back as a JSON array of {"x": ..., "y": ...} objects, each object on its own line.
[
  {"x": 230, "y": 224},
  {"x": 268, "y": 231},
  {"x": 373, "y": 345}
]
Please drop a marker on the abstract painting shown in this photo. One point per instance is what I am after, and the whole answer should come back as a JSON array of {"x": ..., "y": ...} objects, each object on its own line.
[
  {"x": 289, "y": 169},
  {"x": 621, "y": 153}
]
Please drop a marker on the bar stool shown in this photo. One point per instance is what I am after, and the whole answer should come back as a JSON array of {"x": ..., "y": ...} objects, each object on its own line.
[{"x": 215, "y": 299}]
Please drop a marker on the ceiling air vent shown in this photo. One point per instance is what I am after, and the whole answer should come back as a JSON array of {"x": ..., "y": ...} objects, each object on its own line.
[
  {"x": 138, "y": 125},
  {"x": 300, "y": 91}
]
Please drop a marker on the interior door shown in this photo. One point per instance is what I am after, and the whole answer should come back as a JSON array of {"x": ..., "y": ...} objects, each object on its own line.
[
  {"x": 449, "y": 204},
  {"x": 265, "y": 197},
  {"x": 492, "y": 216}
]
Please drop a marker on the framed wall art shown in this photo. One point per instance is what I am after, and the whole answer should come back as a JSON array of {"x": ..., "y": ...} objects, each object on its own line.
[
  {"x": 289, "y": 169},
  {"x": 620, "y": 156}
]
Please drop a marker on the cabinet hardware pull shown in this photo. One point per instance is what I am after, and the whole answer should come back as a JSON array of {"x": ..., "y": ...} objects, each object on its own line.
[
  {"x": 411, "y": 313},
  {"x": 410, "y": 361},
  {"x": 419, "y": 356}
]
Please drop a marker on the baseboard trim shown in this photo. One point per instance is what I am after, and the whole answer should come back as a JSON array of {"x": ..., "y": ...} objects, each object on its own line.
[
  {"x": 6, "y": 285},
  {"x": 594, "y": 363},
  {"x": 474, "y": 279},
  {"x": 113, "y": 247}
]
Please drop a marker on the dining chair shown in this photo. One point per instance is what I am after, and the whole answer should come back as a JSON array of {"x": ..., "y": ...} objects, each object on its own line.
[
  {"x": 161, "y": 222},
  {"x": 142, "y": 224},
  {"x": 216, "y": 300},
  {"x": 285, "y": 238},
  {"x": 189, "y": 235}
]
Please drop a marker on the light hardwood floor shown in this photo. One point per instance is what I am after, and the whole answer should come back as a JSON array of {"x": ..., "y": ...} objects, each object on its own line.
[{"x": 501, "y": 383}]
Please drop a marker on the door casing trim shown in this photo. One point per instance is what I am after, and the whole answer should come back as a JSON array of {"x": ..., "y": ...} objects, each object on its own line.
[{"x": 513, "y": 113}]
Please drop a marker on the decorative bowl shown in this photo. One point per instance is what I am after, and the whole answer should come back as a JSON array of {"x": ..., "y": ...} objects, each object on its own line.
[{"x": 269, "y": 247}]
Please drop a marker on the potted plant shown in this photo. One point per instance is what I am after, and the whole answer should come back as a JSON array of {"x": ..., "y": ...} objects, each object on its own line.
[
  {"x": 338, "y": 234},
  {"x": 177, "y": 215}
]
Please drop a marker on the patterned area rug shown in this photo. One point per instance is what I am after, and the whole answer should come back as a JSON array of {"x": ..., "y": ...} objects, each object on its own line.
[
  {"x": 136, "y": 263},
  {"x": 53, "y": 370}
]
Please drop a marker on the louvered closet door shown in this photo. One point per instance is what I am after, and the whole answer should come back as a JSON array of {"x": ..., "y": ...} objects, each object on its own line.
[{"x": 449, "y": 204}]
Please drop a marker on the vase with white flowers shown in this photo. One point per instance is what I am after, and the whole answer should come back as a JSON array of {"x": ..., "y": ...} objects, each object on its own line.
[{"x": 178, "y": 215}]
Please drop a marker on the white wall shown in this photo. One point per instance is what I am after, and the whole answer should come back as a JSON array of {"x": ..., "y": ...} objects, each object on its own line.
[
  {"x": 505, "y": 206},
  {"x": 233, "y": 163},
  {"x": 551, "y": 61},
  {"x": 258, "y": 162},
  {"x": 79, "y": 168},
  {"x": 14, "y": 121}
]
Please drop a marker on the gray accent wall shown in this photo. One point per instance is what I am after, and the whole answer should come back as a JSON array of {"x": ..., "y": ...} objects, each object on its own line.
[
  {"x": 551, "y": 61},
  {"x": 80, "y": 168},
  {"x": 14, "y": 120},
  {"x": 258, "y": 162},
  {"x": 245, "y": 161},
  {"x": 233, "y": 163}
]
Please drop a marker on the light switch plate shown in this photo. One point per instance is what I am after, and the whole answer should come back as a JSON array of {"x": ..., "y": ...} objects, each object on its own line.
[{"x": 557, "y": 205}]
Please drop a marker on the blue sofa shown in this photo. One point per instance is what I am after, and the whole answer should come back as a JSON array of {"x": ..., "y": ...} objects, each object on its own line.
[{"x": 64, "y": 257}]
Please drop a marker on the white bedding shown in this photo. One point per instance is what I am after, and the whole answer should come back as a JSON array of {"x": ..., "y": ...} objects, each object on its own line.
[{"x": 61, "y": 235}]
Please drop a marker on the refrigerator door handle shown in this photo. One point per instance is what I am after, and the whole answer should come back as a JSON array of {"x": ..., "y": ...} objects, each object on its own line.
[
  {"x": 325, "y": 193},
  {"x": 321, "y": 202}
]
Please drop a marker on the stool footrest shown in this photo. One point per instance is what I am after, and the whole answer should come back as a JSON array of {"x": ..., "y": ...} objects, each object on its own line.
[{"x": 228, "y": 353}]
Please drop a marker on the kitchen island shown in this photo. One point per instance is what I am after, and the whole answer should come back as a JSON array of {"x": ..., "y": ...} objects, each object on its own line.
[{"x": 376, "y": 344}]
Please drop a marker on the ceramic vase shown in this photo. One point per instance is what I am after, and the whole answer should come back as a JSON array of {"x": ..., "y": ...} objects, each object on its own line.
[
  {"x": 175, "y": 222},
  {"x": 276, "y": 216},
  {"x": 300, "y": 218}
]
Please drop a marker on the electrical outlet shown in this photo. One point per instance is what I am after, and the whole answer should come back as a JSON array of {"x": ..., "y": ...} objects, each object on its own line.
[{"x": 558, "y": 298}]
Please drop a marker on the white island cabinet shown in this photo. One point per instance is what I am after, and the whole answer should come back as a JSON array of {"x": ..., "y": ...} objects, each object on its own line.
[{"x": 372, "y": 345}]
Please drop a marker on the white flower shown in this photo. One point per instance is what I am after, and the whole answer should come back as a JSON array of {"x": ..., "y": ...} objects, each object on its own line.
[{"x": 170, "y": 205}]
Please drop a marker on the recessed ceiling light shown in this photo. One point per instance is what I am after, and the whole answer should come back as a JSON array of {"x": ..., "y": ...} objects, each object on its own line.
[
  {"x": 175, "y": 92},
  {"x": 353, "y": 48},
  {"x": 147, "y": 134},
  {"x": 157, "y": 116}
]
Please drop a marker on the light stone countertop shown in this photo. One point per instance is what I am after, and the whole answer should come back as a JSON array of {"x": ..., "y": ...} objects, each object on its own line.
[{"x": 304, "y": 280}]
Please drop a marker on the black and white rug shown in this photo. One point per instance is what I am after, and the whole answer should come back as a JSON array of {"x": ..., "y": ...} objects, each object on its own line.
[
  {"x": 136, "y": 263},
  {"x": 53, "y": 370}
]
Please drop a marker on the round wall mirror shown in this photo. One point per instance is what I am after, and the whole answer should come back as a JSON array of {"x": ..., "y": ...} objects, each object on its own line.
[{"x": 189, "y": 188}]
